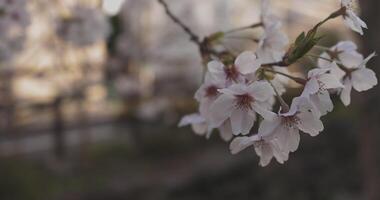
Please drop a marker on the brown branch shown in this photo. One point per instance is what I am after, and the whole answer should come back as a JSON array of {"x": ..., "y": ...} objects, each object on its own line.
[
  {"x": 252, "y": 26},
  {"x": 193, "y": 37}
]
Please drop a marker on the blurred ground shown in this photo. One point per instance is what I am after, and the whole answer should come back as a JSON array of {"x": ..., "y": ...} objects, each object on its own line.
[{"x": 170, "y": 163}]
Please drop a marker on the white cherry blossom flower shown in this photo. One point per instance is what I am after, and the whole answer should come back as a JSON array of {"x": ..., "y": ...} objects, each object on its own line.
[
  {"x": 303, "y": 115},
  {"x": 349, "y": 66},
  {"x": 272, "y": 44},
  {"x": 240, "y": 103},
  {"x": 246, "y": 63},
  {"x": 208, "y": 92},
  {"x": 350, "y": 18},
  {"x": 273, "y": 41},
  {"x": 197, "y": 122},
  {"x": 344, "y": 53},
  {"x": 279, "y": 136},
  {"x": 200, "y": 126},
  {"x": 266, "y": 150},
  {"x": 268, "y": 19},
  {"x": 317, "y": 86},
  {"x": 360, "y": 78}
]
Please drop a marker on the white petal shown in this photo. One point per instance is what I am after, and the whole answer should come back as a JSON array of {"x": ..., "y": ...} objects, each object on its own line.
[
  {"x": 267, "y": 128},
  {"x": 316, "y": 72},
  {"x": 261, "y": 90},
  {"x": 215, "y": 66},
  {"x": 221, "y": 110},
  {"x": 286, "y": 140},
  {"x": 345, "y": 94},
  {"x": 200, "y": 93},
  {"x": 265, "y": 152},
  {"x": 346, "y": 46},
  {"x": 260, "y": 109},
  {"x": 200, "y": 129},
  {"x": 240, "y": 143},
  {"x": 330, "y": 81},
  {"x": 204, "y": 107},
  {"x": 311, "y": 87},
  {"x": 324, "y": 62},
  {"x": 363, "y": 79},
  {"x": 194, "y": 118},
  {"x": 241, "y": 122},
  {"x": 216, "y": 70},
  {"x": 225, "y": 131},
  {"x": 354, "y": 22},
  {"x": 294, "y": 139},
  {"x": 323, "y": 102},
  {"x": 351, "y": 59},
  {"x": 280, "y": 154},
  {"x": 309, "y": 123},
  {"x": 336, "y": 71},
  {"x": 235, "y": 89},
  {"x": 247, "y": 63}
]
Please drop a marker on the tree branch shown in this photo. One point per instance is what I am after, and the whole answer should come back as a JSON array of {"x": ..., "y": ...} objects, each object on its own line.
[{"x": 193, "y": 37}]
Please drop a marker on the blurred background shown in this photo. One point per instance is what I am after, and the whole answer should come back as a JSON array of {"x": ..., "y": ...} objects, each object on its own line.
[{"x": 91, "y": 92}]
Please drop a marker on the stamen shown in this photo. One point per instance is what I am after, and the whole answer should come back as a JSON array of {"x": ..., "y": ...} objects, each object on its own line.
[
  {"x": 290, "y": 121},
  {"x": 232, "y": 74},
  {"x": 244, "y": 101},
  {"x": 211, "y": 91}
]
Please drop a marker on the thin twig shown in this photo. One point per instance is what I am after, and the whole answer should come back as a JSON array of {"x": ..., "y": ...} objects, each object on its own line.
[
  {"x": 193, "y": 37},
  {"x": 284, "y": 105},
  {"x": 296, "y": 79},
  {"x": 252, "y": 26}
]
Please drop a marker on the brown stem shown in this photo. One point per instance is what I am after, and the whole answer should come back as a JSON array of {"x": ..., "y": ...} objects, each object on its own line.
[
  {"x": 252, "y": 26},
  {"x": 296, "y": 79},
  {"x": 193, "y": 37}
]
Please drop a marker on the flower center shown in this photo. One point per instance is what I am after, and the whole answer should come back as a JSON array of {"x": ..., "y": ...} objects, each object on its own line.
[
  {"x": 211, "y": 91},
  {"x": 232, "y": 74},
  {"x": 334, "y": 54},
  {"x": 290, "y": 121},
  {"x": 244, "y": 102}
]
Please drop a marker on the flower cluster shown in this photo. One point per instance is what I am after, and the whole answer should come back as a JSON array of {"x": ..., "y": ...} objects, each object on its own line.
[
  {"x": 14, "y": 19},
  {"x": 83, "y": 26},
  {"x": 238, "y": 95}
]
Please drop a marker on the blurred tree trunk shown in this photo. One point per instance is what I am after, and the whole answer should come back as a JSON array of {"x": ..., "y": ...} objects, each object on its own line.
[
  {"x": 369, "y": 123},
  {"x": 58, "y": 129}
]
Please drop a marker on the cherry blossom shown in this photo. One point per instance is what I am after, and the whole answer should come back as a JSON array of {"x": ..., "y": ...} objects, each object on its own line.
[
  {"x": 200, "y": 126},
  {"x": 268, "y": 19},
  {"x": 240, "y": 103},
  {"x": 350, "y": 18},
  {"x": 233, "y": 96},
  {"x": 360, "y": 78},
  {"x": 317, "y": 86},
  {"x": 272, "y": 44},
  {"x": 349, "y": 66},
  {"x": 246, "y": 63},
  {"x": 345, "y": 53},
  {"x": 266, "y": 150},
  {"x": 279, "y": 135},
  {"x": 273, "y": 41},
  {"x": 208, "y": 92}
]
